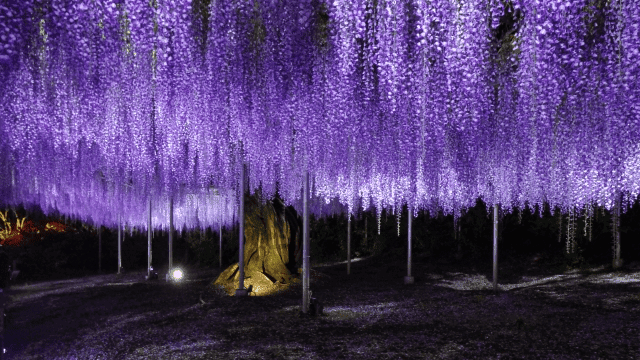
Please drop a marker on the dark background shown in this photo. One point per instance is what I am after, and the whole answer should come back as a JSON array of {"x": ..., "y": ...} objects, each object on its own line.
[{"x": 74, "y": 252}]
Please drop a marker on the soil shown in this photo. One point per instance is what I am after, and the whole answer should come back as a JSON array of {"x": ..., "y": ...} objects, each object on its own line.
[{"x": 450, "y": 312}]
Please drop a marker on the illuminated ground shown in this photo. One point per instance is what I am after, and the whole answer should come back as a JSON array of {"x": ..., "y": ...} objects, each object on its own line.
[{"x": 449, "y": 313}]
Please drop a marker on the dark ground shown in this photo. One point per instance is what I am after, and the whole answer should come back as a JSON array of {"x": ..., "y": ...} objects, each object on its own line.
[{"x": 450, "y": 313}]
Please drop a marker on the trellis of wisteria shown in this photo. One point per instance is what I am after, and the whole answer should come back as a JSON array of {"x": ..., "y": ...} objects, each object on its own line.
[{"x": 105, "y": 104}]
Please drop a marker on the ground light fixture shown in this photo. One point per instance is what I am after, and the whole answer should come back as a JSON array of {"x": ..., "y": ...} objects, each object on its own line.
[{"x": 176, "y": 274}]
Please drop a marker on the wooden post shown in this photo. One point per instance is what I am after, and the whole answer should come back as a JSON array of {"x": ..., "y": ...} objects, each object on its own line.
[
  {"x": 305, "y": 245},
  {"x": 495, "y": 246},
  {"x": 241, "y": 291},
  {"x": 409, "y": 279}
]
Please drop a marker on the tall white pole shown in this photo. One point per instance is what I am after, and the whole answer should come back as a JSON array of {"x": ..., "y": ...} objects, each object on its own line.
[
  {"x": 241, "y": 291},
  {"x": 495, "y": 246},
  {"x": 365, "y": 228},
  {"x": 99, "y": 249},
  {"x": 170, "y": 234},
  {"x": 348, "y": 243},
  {"x": 617, "y": 262},
  {"x": 119, "y": 244},
  {"x": 409, "y": 279},
  {"x": 13, "y": 182},
  {"x": 305, "y": 245},
  {"x": 149, "y": 242}
]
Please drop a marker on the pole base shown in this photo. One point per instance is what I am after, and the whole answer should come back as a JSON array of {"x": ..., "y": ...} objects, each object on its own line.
[
  {"x": 14, "y": 275},
  {"x": 316, "y": 308},
  {"x": 617, "y": 263},
  {"x": 242, "y": 292},
  {"x": 408, "y": 280},
  {"x": 152, "y": 276}
]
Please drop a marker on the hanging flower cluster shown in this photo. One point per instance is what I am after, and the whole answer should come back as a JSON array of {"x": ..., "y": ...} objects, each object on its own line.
[{"x": 107, "y": 104}]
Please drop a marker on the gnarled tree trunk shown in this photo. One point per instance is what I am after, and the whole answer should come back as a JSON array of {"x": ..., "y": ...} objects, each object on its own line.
[{"x": 272, "y": 249}]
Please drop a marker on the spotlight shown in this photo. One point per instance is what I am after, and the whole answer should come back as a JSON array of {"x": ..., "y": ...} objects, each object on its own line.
[{"x": 175, "y": 274}]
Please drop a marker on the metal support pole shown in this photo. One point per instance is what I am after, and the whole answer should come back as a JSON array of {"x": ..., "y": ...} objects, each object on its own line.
[
  {"x": 149, "y": 243},
  {"x": 119, "y": 244},
  {"x": 170, "y": 234},
  {"x": 618, "y": 231},
  {"x": 365, "y": 228},
  {"x": 348, "y": 243},
  {"x": 241, "y": 291},
  {"x": 495, "y": 247},
  {"x": 99, "y": 249},
  {"x": 305, "y": 244},
  {"x": 409, "y": 279},
  {"x": 617, "y": 262},
  {"x": 220, "y": 251}
]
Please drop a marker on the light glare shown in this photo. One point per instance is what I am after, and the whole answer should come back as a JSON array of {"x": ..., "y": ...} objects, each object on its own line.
[{"x": 177, "y": 274}]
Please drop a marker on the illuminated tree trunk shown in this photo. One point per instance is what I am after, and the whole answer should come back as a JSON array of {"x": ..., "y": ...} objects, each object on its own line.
[
  {"x": 119, "y": 245},
  {"x": 241, "y": 291},
  {"x": 305, "y": 245},
  {"x": 348, "y": 243},
  {"x": 495, "y": 246},
  {"x": 149, "y": 235},
  {"x": 409, "y": 279},
  {"x": 271, "y": 232},
  {"x": 170, "y": 234},
  {"x": 220, "y": 251}
]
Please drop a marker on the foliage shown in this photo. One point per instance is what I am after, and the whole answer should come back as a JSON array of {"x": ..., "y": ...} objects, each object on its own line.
[{"x": 428, "y": 103}]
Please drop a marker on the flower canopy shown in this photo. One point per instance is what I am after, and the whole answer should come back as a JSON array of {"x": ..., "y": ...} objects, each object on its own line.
[{"x": 107, "y": 104}]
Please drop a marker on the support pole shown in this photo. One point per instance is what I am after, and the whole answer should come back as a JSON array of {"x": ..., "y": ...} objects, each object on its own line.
[
  {"x": 100, "y": 249},
  {"x": 119, "y": 245},
  {"x": 13, "y": 182},
  {"x": 366, "y": 228},
  {"x": 241, "y": 291},
  {"x": 149, "y": 243},
  {"x": 305, "y": 245},
  {"x": 495, "y": 247},
  {"x": 170, "y": 234},
  {"x": 220, "y": 251},
  {"x": 348, "y": 243},
  {"x": 617, "y": 262},
  {"x": 409, "y": 279}
]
